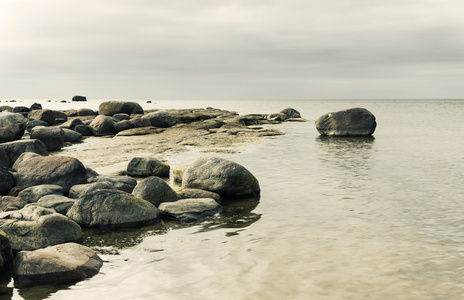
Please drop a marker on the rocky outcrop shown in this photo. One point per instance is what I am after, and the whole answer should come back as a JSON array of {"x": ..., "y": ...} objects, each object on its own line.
[
  {"x": 227, "y": 178},
  {"x": 109, "y": 108},
  {"x": 33, "y": 169},
  {"x": 7, "y": 181},
  {"x": 52, "y": 137},
  {"x": 161, "y": 118},
  {"x": 350, "y": 122},
  {"x": 34, "y": 193},
  {"x": 155, "y": 190},
  {"x": 147, "y": 166},
  {"x": 65, "y": 263},
  {"x": 190, "y": 210},
  {"x": 112, "y": 209},
  {"x": 16, "y": 148},
  {"x": 12, "y": 126},
  {"x": 102, "y": 125},
  {"x": 36, "y": 227}
]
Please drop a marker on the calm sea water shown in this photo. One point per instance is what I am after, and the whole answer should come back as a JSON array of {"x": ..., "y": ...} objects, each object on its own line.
[{"x": 338, "y": 218}]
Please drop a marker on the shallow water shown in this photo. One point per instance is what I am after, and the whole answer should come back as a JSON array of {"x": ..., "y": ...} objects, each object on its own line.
[{"x": 358, "y": 218}]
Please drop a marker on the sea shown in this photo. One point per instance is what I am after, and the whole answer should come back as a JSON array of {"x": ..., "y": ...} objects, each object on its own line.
[{"x": 338, "y": 218}]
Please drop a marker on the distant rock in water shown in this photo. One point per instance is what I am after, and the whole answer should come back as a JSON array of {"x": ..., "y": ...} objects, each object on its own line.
[
  {"x": 79, "y": 98},
  {"x": 349, "y": 122}
]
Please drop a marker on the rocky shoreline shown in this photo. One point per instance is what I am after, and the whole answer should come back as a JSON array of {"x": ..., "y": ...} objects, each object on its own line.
[{"x": 47, "y": 198}]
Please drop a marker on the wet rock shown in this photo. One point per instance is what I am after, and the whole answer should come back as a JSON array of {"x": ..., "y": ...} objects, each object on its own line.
[
  {"x": 112, "y": 208},
  {"x": 65, "y": 263},
  {"x": 72, "y": 136},
  {"x": 34, "y": 193},
  {"x": 147, "y": 166},
  {"x": 190, "y": 210},
  {"x": 36, "y": 227},
  {"x": 6, "y": 254},
  {"x": 350, "y": 122},
  {"x": 155, "y": 190},
  {"x": 33, "y": 169},
  {"x": 9, "y": 203},
  {"x": 12, "y": 126},
  {"x": 45, "y": 115},
  {"x": 60, "y": 204},
  {"x": 196, "y": 193},
  {"x": 16, "y": 148},
  {"x": 52, "y": 137},
  {"x": 110, "y": 108},
  {"x": 161, "y": 118},
  {"x": 227, "y": 178},
  {"x": 122, "y": 183},
  {"x": 102, "y": 125},
  {"x": 7, "y": 181}
]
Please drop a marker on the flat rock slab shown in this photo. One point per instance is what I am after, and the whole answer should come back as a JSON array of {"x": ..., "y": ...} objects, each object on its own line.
[
  {"x": 190, "y": 210},
  {"x": 65, "y": 263}
]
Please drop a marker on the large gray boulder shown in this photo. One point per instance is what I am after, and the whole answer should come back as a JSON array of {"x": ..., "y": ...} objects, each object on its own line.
[
  {"x": 109, "y": 108},
  {"x": 161, "y": 118},
  {"x": 227, "y": 178},
  {"x": 52, "y": 137},
  {"x": 34, "y": 193},
  {"x": 190, "y": 210},
  {"x": 102, "y": 125},
  {"x": 112, "y": 209},
  {"x": 7, "y": 181},
  {"x": 46, "y": 115},
  {"x": 36, "y": 227},
  {"x": 349, "y": 122},
  {"x": 65, "y": 263},
  {"x": 155, "y": 190},
  {"x": 12, "y": 126},
  {"x": 14, "y": 149},
  {"x": 33, "y": 169},
  {"x": 122, "y": 183},
  {"x": 147, "y": 166}
]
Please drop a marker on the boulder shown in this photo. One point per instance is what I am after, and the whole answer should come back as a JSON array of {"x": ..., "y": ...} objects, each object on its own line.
[
  {"x": 86, "y": 112},
  {"x": 155, "y": 190},
  {"x": 71, "y": 124},
  {"x": 16, "y": 148},
  {"x": 65, "y": 263},
  {"x": 52, "y": 137},
  {"x": 122, "y": 183},
  {"x": 350, "y": 122},
  {"x": 46, "y": 115},
  {"x": 178, "y": 172},
  {"x": 7, "y": 181},
  {"x": 110, "y": 108},
  {"x": 36, "y": 106},
  {"x": 34, "y": 123},
  {"x": 6, "y": 254},
  {"x": 21, "y": 109},
  {"x": 84, "y": 130},
  {"x": 161, "y": 118},
  {"x": 123, "y": 125},
  {"x": 6, "y": 108},
  {"x": 12, "y": 126},
  {"x": 196, "y": 193},
  {"x": 190, "y": 210},
  {"x": 291, "y": 113},
  {"x": 112, "y": 209},
  {"x": 36, "y": 227},
  {"x": 140, "y": 122},
  {"x": 79, "y": 98},
  {"x": 121, "y": 117},
  {"x": 72, "y": 136},
  {"x": 102, "y": 125},
  {"x": 9, "y": 203},
  {"x": 147, "y": 166},
  {"x": 34, "y": 193},
  {"x": 33, "y": 169},
  {"x": 140, "y": 131},
  {"x": 60, "y": 204},
  {"x": 79, "y": 189},
  {"x": 227, "y": 178},
  {"x": 4, "y": 159}
]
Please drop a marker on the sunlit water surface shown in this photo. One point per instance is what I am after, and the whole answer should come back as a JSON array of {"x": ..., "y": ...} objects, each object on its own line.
[{"x": 338, "y": 218}]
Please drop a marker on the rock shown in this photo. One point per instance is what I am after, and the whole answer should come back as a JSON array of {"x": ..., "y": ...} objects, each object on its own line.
[
  {"x": 77, "y": 190},
  {"x": 7, "y": 181},
  {"x": 36, "y": 106},
  {"x": 196, "y": 193},
  {"x": 65, "y": 263},
  {"x": 155, "y": 190},
  {"x": 9, "y": 203},
  {"x": 12, "y": 126},
  {"x": 52, "y": 137},
  {"x": 21, "y": 109},
  {"x": 46, "y": 115},
  {"x": 16, "y": 148},
  {"x": 178, "y": 172},
  {"x": 277, "y": 117},
  {"x": 112, "y": 208},
  {"x": 91, "y": 173},
  {"x": 121, "y": 117},
  {"x": 140, "y": 122},
  {"x": 161, "y": 118},
  {"x": 122, "y": 183},
  {"x": 110, "y": 108},
  {"x": 227, "y": 178},
  {"x": 147, "y": 166},
  {"x": 60, "y": 117},
  {"x": 60, "y": 204},
  {"x": 4, "y": 159},
  {"x": 79, "y": 98},
  {"x": 34, "y": 193},
  {"x": 140, "y": 131},
  {"x": 6, "y": 255},
  {"x": 36, "y": 227},
  {"x": 72, "y": 136},
  {"x": 15, "y": 191},
  {"x": 291, "y": 113},
  {"x": 33, "y": 169},
  {"x": 190, "y": 210},
  {"x": 6, "y": 108},
  {"x": 86, "y": 112},
  {"x": 71, "y": 124},
  {"x": 123, "y": 125},
  {"x": 102, "y": 125},
  {"x": 34, "y": 123},
  {"x": 84, "y": 130},
  {"x": 350, "y": 122}
]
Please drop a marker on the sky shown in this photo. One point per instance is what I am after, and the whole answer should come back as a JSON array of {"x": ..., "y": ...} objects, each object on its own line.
[{"x": 235, "y": 49}]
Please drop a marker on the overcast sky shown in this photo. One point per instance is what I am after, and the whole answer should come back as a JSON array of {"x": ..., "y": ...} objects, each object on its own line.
[{"x": 242, "y": 49}]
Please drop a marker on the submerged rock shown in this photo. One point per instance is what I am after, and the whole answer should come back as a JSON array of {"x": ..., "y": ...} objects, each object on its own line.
[
  {"x": 65, "y": 263},
  {"x": 349, "y": 122},
  {"x": 190, "y": 210}
]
